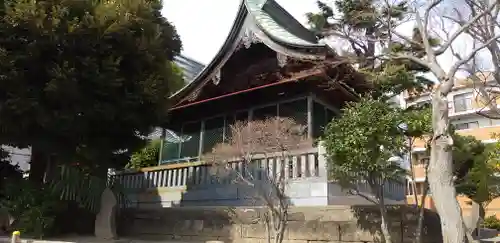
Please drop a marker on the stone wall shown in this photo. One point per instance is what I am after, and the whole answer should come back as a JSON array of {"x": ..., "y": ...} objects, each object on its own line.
[
  {"x": 304, "y": 192},
  {"x": 306, "y": 224}
]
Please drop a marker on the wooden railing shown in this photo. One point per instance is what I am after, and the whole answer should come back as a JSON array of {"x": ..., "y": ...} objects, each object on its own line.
[
  {"x": 307, "y": 166},
  {"x": 298, "y": 165}
]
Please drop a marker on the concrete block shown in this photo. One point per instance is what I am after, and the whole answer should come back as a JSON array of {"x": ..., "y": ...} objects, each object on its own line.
[
  {"x": 319, "y": 189},
  {"x": 170, "y": 195},
  {"x": 298, "y": 190},
  {"x": 309, "y": 201}
]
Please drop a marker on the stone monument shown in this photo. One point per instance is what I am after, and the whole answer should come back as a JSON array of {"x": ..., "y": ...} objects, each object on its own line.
[{"x": 105, "y": 222}]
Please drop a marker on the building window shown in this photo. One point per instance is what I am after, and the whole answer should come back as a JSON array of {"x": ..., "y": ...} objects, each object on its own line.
[
  {"x": 462, "y": 102},
  {"x": 467, "y": 125}
]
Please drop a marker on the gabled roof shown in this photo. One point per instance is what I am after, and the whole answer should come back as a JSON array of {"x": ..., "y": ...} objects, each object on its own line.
[{"x": 260, "y": 21}]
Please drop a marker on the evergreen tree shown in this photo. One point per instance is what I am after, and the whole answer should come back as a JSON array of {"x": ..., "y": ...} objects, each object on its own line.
[{"x": 83, "y": 80}]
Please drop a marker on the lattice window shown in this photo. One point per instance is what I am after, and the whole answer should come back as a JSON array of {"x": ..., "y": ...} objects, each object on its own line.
[
  {"x": 170, "y": 151},
  {"x": 190, "y": 140},
  {"x": 330, "y": 115},
  {"x": 230, "y": 120},
  {"x": 319, "y": 119},
  {"x": 296, "y": 110},
  {"x": 265, "y": 112},
  {"x": 171, "y": 146},
  {"x": 213, "y": 134}
]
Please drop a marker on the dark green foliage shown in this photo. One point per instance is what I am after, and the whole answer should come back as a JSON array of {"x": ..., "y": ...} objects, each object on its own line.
[
  {"x": 467, "y": 152},
  {"x": 476, "y": 169},
  {"x": 84, "y": 79},
  {"x": 177, "y": 78},
  {"x": 8, "y": 171},
  {"x": 146, "y": 157},
  {"x": 75, "y": 184},
  {"x": 366, "y": 25},
  {"x": 33, "y": 208},
  {"x": 354, "y": 142}
]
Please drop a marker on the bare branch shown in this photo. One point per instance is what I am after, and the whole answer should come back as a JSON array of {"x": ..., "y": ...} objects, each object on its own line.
[
  {"x": 471, "y": 55},
  {"x": 274, "y": 137},
  {"x": 410, "y": 58},
  {"x": 465, "y": 27}
]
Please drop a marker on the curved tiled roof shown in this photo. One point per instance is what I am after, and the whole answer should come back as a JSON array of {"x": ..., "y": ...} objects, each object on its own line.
[
  {"x": 273, "y": 26},
  {"x": 267, "y": 15}
]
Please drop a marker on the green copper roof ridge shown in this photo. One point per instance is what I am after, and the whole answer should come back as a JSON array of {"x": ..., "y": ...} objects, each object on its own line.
[
  {"x": 272, "y": 19},
  {"x": 296, "y": 28}
]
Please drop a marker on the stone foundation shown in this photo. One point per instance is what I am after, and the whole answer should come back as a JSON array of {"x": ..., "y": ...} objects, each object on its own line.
[{"x": 306, "y": 224}]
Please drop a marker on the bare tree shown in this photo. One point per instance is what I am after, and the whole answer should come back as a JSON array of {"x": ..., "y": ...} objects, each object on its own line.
[
  {"x": 440, "y": 171},
  {"x": 483, "y": 70},
  {"x": 257, "y": 156}
]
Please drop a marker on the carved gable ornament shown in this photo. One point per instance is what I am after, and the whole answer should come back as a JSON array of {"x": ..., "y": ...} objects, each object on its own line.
[
  {"x": 282, "y": 59},
  {"x": 217, "y": 77},
  {"x": 249, "y": 38}
]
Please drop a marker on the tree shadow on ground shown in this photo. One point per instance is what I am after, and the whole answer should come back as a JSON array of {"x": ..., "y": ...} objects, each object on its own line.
[{"x": 403, "y": 223}]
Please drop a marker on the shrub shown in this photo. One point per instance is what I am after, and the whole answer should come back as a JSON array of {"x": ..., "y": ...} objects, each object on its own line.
[
  {"x": 146, "y": 157},
  {"x": 33, "y": 208},
  {"x": 491, "y": 222}
]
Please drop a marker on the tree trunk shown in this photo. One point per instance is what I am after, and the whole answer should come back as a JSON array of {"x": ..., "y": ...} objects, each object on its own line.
[
  {"x": 378, "y": 190},
  {"x": 384, "y": 224},
  {"x": 38, "y": 165},
  {"x": 441, "y": 172},
  {"x": 421, "y": 213}
]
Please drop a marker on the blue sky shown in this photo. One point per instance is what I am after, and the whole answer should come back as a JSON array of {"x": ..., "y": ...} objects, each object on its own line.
[{"x": 204, "y": 25}]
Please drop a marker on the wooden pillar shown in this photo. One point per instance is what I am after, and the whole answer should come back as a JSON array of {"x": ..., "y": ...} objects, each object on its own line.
[
  {"x": 303, "y": 165},
  {"x": 309, "y": 117},
  {"x": 162, "y": 141},
  {"x": 202, "y": 131},
  {"x": 294, "y": 167},
  {"x": 322, "y": 165},
  {"x": 311, "y": 163}
]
